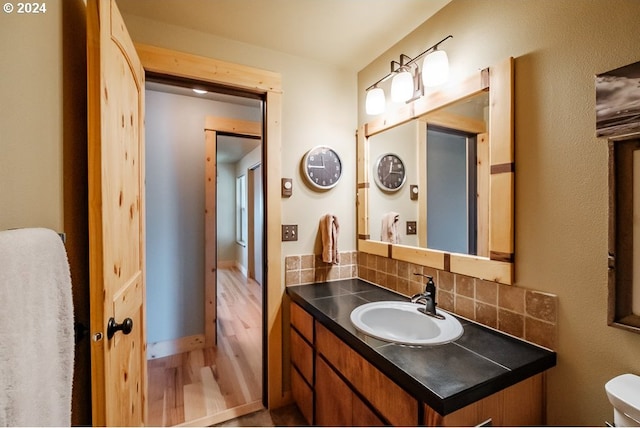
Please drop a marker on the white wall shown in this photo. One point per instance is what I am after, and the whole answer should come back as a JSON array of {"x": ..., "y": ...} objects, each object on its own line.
[
  {"x": 226, "y": 212},
  {"x": 175, "y": 160}
]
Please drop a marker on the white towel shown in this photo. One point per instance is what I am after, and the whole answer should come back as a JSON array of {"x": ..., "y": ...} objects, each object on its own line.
[
  {"x": 389, "y": 230},
  {"x": 36, "y": 329},
  {"x": 329, "y": 228}
]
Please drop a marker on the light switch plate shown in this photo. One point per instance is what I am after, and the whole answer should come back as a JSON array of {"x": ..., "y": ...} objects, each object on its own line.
[
  {"x": 287, "y": 187},
  {"x": 411, "y": 228},
  {"x": 289, "y": 232},
  {"x": 413, "y": 192}
]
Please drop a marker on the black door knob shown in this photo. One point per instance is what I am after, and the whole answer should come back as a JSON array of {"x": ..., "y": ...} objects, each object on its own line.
[{"x": 113, "y": 326}]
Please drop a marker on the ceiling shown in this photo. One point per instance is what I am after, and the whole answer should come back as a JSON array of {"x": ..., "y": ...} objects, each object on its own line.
[{"x": 345, "y": 33}]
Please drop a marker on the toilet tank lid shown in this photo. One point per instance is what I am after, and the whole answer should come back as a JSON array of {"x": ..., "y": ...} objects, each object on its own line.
[{"x": 624, "y": 393}]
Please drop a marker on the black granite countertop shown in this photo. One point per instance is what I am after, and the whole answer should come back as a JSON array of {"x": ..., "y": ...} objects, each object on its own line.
[{"x": 446, "y": 377}]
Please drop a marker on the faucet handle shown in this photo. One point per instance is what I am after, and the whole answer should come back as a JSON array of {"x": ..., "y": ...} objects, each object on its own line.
[
  {"x": 430, "y": 286},
  {"x": 424, "y": 276}
]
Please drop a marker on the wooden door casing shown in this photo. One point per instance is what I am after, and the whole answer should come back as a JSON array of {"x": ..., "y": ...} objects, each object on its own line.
[{"x": 116, "y": 218}]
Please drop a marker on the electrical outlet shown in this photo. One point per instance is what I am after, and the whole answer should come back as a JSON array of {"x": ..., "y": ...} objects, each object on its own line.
[
  {"x": 411, "y": 228},
  {"x": 289, "y": 232}
]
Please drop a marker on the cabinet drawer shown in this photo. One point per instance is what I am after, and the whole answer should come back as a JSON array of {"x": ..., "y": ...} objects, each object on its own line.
[
  {"x": 521, "y": 404},
  {"x": 391, "y": 401},
  {"x": 302, "y": 321},
  {"x": 303, "y": 395},
  {"x": 302, "y": 356}
]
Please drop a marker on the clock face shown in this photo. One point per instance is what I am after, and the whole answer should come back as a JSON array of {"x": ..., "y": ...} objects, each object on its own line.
[
  {"x": 390, "y": 172},
  {"x": 322, "y": 167}
]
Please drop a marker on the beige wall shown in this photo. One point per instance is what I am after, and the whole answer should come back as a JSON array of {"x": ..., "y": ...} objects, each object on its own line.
[
  {"x": 31, "y": 119},
  {"x": 561, "y": 181},
  {"x": 319, "y": 107},
  {"x": 43, "y": 131},
  {"x": 561, "y": 168}
]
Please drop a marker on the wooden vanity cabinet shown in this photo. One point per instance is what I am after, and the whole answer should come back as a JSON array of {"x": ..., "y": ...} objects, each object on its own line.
[
  {"x": 333, "y": 385},
  {"x": 519, "y": 405},
  {"x": 302, "y": 360},
  {"x": 384, "y": 395},
  {"x": 337, "y": 404}
]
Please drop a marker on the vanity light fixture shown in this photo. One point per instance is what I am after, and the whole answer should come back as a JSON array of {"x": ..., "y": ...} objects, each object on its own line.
[
  {"x": 376, "y": 101},
  {"x": 435, "y": 68},
  {"x": 402, "y": 88},
  {"x": 406, "y": 84}
]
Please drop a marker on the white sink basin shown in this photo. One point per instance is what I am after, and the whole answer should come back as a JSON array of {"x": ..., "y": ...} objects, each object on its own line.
[{"x": 400, "y": 322}]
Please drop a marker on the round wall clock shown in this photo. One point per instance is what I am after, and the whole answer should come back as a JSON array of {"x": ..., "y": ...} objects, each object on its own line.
[
  {"x": 322, "y": 167},
  {"x": 390, "y": 172}
]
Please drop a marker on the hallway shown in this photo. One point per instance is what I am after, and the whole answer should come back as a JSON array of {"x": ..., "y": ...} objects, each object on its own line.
[{"x": 207, "y": 386}]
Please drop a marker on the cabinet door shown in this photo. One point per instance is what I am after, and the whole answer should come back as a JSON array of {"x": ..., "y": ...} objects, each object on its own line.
[
  {"x": 302, "y": 395},
  {"x": 387, "y": 397},
  {"x": 334, "y": 399},
  {"x": 302, "y": 356}
]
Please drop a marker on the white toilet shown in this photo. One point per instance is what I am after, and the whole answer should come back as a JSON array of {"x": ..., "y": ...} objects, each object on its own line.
[{"x": 624, "y": 393}]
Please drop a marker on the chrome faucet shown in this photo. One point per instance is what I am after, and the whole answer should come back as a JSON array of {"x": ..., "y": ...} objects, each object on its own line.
[{"x": 428, "y": 297}]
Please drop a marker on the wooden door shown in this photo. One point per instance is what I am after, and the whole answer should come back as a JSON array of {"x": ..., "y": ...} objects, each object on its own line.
[
  {"x": 210, "y": 239},
  {"x": 116, "y": 218}
]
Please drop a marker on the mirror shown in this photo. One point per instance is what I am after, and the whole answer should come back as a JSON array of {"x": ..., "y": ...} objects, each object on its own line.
[
  {"x": 444, "y": 152},
  {"x": 457, "y": 141}
]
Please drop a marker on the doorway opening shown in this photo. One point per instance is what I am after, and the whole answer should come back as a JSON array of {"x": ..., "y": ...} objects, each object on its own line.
[{"x": 205, "y": 313}]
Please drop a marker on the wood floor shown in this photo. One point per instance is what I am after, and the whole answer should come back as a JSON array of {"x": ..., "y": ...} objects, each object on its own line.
[{"x": 208, "y": 386}]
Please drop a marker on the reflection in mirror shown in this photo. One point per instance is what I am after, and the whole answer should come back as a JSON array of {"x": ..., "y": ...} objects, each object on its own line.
[
  {"x": 495, "y": 175},
  {"x": 445, "y": 153},
  {"x": 401, "y": 141}
]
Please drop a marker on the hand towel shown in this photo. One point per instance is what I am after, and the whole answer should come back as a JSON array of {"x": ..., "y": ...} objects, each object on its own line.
[
  {"x": 389, "y": 230},
  {"x": 36, "y": 329},
  {"x": 329, "y": 228}
]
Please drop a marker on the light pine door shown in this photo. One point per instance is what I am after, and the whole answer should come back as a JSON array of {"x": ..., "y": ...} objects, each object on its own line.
[{"x": 116, "y": 219}]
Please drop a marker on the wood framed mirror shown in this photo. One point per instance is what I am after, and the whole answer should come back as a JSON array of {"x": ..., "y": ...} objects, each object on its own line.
[{"x": 492, "y": 257}]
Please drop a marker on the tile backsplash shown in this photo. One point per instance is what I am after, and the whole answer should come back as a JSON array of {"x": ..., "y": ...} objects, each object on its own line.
[
  {"x": 521, "y": 312},
  {"x": 305, "y": 269}
]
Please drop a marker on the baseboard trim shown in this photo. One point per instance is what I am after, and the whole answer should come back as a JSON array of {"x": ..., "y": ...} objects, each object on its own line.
[
  {"x": 224, "y": 415},
  {"x": 175, "y": 346}
]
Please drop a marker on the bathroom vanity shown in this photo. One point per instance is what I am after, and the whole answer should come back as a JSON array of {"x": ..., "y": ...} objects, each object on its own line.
[{"x": 340, "y": 376}]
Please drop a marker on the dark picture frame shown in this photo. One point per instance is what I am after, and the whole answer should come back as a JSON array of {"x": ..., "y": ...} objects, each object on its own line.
[{"x": 618, "y": 102}]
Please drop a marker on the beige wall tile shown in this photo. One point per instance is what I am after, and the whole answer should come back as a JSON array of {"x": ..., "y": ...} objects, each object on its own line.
[
  {"x": 465, "y": 286},
  {"x": 542, "y": 306},
  {"x": 445, "y": 281},
  {"x": 487, "y": 292},
  {"x": 511, "y": 322},
  {"x": 540, "y": 332},
  {"x": 487, "y": 314},
  {"x": 511, "y": 298},
  {"x": 292, "y": 262},
  {"x": 465, "y": 307}
]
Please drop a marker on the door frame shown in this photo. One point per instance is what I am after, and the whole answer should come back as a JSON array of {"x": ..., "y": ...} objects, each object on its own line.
[
  {"x": 251, "y": 218},
  {"x": 268, "y": 84},
  {"x": 212, "y": 128}
]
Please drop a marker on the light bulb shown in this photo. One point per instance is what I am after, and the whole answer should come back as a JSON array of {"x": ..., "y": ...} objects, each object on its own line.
[
  {"x": 402, "y": 86},
  {"x": 376, "y": 102},
  {"x": 435, "y": 69}
]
